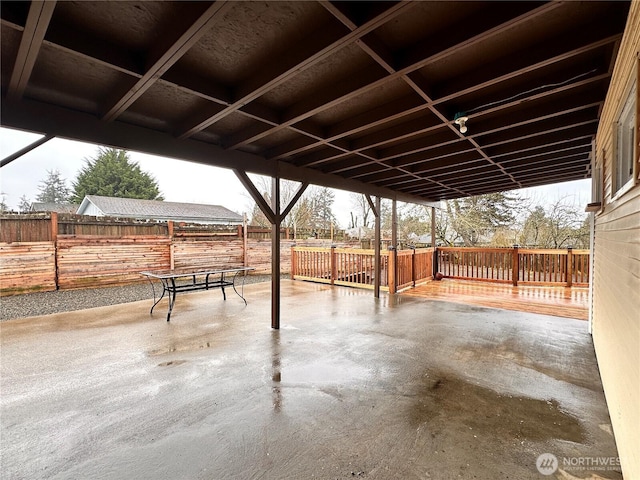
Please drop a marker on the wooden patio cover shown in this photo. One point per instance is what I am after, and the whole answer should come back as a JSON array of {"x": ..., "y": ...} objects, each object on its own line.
[{"x": 361, "y": 96}]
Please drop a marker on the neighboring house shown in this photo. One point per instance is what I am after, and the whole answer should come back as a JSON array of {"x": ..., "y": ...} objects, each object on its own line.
[
  {"x": 54, "y": 207},
  {"x": 615, "y": 310},
  {"x": 157, "y": 210}
]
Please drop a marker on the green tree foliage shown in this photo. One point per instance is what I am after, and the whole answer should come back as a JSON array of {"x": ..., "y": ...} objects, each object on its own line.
[
  {"x": 112, "y": 174},
  {"x": 53, "y": 189},
  {"x": 476, "y": 218}
]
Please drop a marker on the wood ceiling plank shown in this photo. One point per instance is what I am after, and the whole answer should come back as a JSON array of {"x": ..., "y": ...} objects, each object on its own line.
[
  {"x": 163, "y": 60},
  {"x": 249, "y": 92}
]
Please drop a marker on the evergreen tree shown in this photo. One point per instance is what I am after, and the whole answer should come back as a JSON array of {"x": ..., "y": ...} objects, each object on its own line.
[
  {"x": 112, "y": 174},
  {"x": 24, "y": 205},
  {"x": 53, "y": 189},
  {"x": 321, "y": 202},
  {"x": 475, "y": 218}
]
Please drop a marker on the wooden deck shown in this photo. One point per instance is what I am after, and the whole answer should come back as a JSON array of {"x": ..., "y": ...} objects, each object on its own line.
[{"x": 557, "y": 301}]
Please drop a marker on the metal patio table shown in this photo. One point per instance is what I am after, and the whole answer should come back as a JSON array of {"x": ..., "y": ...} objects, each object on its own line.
[{"x": 197, "y": 279}]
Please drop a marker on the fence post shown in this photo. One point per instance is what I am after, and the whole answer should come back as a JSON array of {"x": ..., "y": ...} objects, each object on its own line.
[
  {"x": 391, "y": 272},
  {"x": 333, "y": 264},
  {"x": 294, "y": 262},
  {"x": 245, "y": 236},
  {"x": 413, "y": 266},
  {"x": 171, "y": 247},
  {"x": 54, "y": 239},
  {"x": 434, "y": 263},
  {"x": 515, "y": 267},
  {"x": 569, "y": 266}
]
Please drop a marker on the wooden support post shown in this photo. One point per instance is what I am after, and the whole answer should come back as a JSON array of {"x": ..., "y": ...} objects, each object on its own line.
[
  {"x": 275, "y": 253},
  {"x": 394, "y": 223},
  {"x": 376, "y": 247},
  {"x": 393, "y": 251},
  {"x": 569, "y": 266},
  {"x": 434, "y": 262},
  {"x": 275, "y": 216},
  {"x": 515, "y": 267}
]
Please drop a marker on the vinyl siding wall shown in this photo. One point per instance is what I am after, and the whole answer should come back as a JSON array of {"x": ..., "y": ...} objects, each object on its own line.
[{"x": 616, "y": 288}]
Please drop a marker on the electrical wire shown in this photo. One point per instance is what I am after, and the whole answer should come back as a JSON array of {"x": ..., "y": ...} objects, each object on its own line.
[{"x": 551, "y": 85}]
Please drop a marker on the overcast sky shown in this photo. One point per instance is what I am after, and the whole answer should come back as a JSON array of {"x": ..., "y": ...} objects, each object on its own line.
[{"x": 179, "y": 181}]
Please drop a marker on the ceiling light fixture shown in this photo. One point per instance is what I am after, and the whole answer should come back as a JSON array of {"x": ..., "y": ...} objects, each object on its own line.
[{"x": 461, "y": 120}]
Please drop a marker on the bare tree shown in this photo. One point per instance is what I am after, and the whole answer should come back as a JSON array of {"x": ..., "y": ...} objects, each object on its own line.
[
  {"x": 561, "y": 224},
  {"x": 363, "y": 213}
]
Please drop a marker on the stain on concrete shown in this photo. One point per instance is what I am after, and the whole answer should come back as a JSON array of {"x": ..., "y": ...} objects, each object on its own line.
[
  {"x": 509, "y": 351},
  {"x": 443, "y": 398},
  {"x": 172, "y": 363}
]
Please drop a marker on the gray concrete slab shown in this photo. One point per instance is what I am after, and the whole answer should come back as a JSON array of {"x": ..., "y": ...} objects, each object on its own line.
[{"x": 350, "y": 387}]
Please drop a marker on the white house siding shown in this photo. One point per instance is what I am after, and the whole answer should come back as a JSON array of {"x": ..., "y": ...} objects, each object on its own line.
[
  {"x": 616, "y": 288},
  {"x": 92, "y": 210}
]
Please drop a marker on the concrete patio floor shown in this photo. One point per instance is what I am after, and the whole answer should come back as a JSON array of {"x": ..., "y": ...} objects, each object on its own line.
[{"x": 350, "y": 387}]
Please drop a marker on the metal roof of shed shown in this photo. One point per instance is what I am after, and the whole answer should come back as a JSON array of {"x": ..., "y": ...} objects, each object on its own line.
[{"x": 157, "y": 209}]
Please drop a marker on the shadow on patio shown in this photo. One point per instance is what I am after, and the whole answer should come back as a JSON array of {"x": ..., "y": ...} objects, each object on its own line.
[{"x": 399, "y": 387}]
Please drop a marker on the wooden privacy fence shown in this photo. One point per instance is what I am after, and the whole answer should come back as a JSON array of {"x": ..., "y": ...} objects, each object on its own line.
[
  {"x": 50, "y": 252},
  {"x": 515, "y": 265},
  {"x": 356, "y": 267}
]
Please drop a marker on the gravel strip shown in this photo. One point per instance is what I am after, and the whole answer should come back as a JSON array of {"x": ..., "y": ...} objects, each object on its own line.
[{"x": 45, "y": 303}]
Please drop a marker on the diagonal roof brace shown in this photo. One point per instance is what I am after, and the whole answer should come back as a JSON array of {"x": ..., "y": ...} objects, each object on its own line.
[{"x": 10, "y": 158}]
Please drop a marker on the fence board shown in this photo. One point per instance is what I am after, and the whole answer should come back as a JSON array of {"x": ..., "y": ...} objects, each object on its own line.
[
  {"x": 208, "y": 253},
  {"x": 25, "y": 228},
  {"x": 27, "y": 267},
  {"x": 97, "y": 261}
]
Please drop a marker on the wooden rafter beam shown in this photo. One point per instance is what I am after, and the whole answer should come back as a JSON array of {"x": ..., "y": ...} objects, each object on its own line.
[
  {"x": 38, "y": 20},
  {"x": 364, "y": 122},
  {"x": 39, "y": 117},
  {"x": 319, "y": 104}
]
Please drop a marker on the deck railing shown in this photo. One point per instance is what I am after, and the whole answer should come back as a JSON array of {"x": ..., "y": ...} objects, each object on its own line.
[
  {"x": 516, "y": 265},
  {"x": 356, "y": 267},
  {"x": 405, "y": 268}
]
